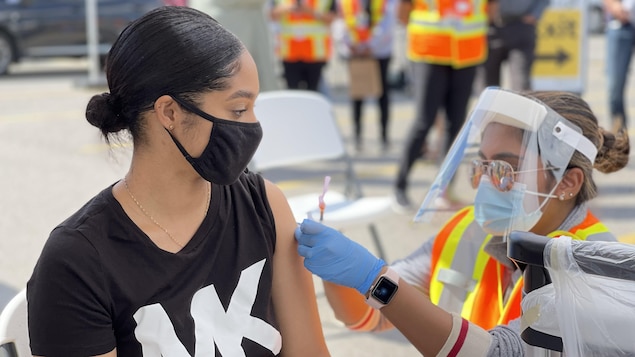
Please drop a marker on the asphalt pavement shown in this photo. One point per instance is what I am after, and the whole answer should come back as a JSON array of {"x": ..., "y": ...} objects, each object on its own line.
[{"x": 53, "y": 161}]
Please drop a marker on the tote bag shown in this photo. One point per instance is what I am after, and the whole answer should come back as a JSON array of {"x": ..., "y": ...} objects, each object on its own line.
[{"x": 364, "y": 78}]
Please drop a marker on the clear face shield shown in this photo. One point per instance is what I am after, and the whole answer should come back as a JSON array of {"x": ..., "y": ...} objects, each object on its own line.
[{"x": 507, "y": 160}]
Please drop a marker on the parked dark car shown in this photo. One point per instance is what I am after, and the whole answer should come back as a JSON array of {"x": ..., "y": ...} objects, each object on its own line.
[{"x": 57, "y": 28}]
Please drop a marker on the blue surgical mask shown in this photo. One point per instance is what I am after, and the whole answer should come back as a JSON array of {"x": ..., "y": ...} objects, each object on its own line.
[{"x": 498, "y": 213}]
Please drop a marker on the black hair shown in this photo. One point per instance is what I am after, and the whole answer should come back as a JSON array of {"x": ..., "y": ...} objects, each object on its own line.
[{"x": 171, "y": 50}]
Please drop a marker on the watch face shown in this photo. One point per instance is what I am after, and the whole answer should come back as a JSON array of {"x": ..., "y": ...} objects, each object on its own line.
[{"x": 384, "y": 290}]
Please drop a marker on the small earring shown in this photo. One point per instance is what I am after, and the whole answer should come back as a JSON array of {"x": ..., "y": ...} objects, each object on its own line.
[
  {"x": 171, "y": 127},
  {"x": 570, "y": 194},
  {"x": 561, "y": 197}
]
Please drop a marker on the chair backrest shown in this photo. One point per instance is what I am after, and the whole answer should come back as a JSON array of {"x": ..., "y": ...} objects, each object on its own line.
[
  {"x": 13, "y": 326},
  {"x": 299, "y": 127}
]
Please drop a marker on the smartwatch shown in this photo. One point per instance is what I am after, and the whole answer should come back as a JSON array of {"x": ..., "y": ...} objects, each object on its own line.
[{"x": 384, "y": 289}]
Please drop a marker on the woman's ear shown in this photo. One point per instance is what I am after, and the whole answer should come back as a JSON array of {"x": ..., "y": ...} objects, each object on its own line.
[
  {"x": 168, "y": 111},
  {"x": 571, "y": 183}
]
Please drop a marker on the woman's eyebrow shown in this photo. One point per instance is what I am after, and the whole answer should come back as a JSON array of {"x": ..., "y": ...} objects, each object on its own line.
[
  {"x": 500, "y": 156},
  {"x": 242, "y": 94},
  {"x": 506, "y": 156}
]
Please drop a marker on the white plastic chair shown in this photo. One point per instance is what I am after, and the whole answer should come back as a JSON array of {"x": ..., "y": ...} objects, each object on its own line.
[
  {"x": 14, "y": 335},
  {"x": 300, "y": 128}
]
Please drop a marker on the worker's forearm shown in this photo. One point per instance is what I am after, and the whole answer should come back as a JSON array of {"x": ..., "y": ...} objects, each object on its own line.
[
  {"x": 432, "y": 330},
  {"x": 424, "y": 324},
  {"x": 403, "y": 12},
  {"x": 348, "y": 305}
]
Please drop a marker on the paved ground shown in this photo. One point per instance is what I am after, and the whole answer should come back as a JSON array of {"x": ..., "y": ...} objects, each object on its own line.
[{"x": 52, "y": 161}]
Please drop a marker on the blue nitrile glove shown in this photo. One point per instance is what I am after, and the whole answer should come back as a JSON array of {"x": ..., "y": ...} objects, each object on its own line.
[{"x": 333, "y": 257}]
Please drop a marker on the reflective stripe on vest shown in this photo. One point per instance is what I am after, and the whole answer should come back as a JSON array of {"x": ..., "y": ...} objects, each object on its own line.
[
  {"x": 355, "y": 16},
  {"x": 448, "y": 33},
  {"x": 457, "y": 264},
  {"x": 466, "y": 280},
  {"x": 302, "y": 37}
]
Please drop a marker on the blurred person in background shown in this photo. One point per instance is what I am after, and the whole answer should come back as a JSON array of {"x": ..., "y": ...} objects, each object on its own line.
[
  {"x": 511, "y": 38},
  {"x": 304, "y": 40},
  {"x": 368, "y": 32},
  {"x": 446, "y": 43},
  {"x": 620, "y": 39},
  {"x": 249, "y": 22}
]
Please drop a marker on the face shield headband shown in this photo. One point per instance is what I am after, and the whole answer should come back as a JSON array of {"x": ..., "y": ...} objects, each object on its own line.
[{"x": 547, "y": 142}]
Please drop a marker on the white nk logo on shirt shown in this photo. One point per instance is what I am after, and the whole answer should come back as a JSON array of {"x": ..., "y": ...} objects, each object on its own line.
[{"x": 213, "y": 324}]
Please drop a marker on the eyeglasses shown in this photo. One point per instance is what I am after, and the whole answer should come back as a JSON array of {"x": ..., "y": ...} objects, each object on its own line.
[{"x": 501, "y": 172}]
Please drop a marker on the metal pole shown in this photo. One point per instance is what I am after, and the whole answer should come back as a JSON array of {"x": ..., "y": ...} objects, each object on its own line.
[{"x": 92, "y": 36}]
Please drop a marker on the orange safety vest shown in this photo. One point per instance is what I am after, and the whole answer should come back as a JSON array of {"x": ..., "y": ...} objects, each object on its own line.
[
  {"x": 356, "y": 18},
  {"x": 448, "y": 32},
  {"x": 467, "y": 280},
  {"x": 302, "y": 37}
]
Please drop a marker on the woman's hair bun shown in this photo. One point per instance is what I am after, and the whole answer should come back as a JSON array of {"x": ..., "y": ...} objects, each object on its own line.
[
  {"x": 614, "y": 152},
  {"x": 104, "y": 112}
]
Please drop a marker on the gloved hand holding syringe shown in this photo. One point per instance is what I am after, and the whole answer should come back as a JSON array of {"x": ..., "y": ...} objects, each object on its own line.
[{"x": 333, "y": 256}]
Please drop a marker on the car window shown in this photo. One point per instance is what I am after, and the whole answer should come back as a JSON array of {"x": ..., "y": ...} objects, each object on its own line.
[{"x": 56, "y": 2}]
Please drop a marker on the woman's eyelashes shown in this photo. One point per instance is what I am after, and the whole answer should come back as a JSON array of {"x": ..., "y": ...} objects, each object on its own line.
[{"x": 239, "y": 113}]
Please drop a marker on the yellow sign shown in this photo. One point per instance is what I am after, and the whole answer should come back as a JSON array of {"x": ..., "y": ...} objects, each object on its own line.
[{"x": 559, "y": 45}]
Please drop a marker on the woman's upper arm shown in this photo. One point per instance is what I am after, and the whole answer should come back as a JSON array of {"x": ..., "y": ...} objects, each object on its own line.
[
  {"x": 293, "y": 290},
  {"x": 112, "y": 353}
]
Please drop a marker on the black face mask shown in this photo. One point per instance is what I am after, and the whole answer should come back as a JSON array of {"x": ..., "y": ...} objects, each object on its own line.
[{"x": 231, "y": 146}]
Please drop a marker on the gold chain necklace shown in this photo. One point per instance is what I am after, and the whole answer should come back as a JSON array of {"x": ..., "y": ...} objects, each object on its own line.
[{"x": 176, "y": 241}]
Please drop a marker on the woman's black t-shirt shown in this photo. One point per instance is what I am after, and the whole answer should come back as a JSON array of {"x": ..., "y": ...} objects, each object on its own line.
[{"x": 101, "y": 283}]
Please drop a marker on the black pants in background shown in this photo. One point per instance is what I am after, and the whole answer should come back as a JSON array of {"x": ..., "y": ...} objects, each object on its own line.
[
  {"x": 383, "y": 101},
  {"x": 303, "y": 75},
  {"x": 514, "y": 43},
  {"x": 434, "y": 87}
]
